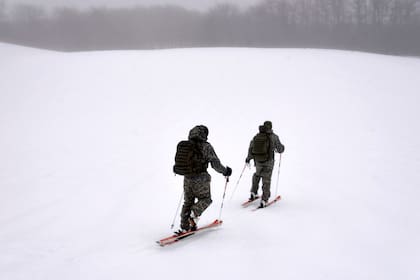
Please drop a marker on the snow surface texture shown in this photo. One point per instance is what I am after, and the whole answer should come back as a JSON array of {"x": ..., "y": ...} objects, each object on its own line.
[{"x": 87, "y": 146}]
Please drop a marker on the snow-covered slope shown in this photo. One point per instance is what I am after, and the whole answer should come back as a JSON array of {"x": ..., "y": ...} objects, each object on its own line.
[{"x": 87, "y": 144}]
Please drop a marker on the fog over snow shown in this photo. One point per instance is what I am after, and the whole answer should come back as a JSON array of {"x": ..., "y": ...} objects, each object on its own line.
[
  {"x": 88, "y": 141},
  {"x": 191, "y": 4}
]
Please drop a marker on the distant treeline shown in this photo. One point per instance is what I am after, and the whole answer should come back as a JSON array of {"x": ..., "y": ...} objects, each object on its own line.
[{"x": 384, "y": 26}]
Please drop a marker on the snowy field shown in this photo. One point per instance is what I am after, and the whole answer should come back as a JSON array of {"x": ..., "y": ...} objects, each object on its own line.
[{"x": 87, "y": 142}]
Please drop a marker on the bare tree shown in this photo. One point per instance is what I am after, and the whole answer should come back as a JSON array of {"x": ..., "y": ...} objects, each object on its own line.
[
  {"x": 28, "y": 13},
  {"x": 339, "y": 11},
  {"x": 221, "y": 25},
  {"x": 404, "y": 11},
  {"x": 381, "y": 10},
  {"x": 360, "y": 11},
  {"x": 2, "y": 10}
]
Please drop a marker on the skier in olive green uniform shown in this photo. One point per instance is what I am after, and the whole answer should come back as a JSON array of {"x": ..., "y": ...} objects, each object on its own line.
[
  {"x": 261, "y": 150},
  {"x": 197, "y": 195}
]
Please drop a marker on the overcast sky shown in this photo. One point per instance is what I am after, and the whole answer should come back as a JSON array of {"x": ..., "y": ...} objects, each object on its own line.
[{"x": 194, "y": 4}]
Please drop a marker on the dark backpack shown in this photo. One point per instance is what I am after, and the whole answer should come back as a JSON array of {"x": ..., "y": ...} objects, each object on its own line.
[
  {"x": 189, "y": 158},
  {"x": 261, "y": 147}
]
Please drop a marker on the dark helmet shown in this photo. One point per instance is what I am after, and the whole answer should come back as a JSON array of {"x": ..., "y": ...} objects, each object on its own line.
[{"x": 199, "y": 133}]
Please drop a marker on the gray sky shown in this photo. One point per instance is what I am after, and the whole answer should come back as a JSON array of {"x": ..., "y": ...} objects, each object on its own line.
[{"x": 194, "y": 4}]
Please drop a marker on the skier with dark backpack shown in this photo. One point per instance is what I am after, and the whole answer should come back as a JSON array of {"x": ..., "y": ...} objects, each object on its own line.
[
  {"x": 191, "y": 160},
  {"x": 261, "y": 150}
]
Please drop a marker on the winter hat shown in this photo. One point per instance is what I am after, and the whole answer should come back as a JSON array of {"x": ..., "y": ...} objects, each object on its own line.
[
  {"x": 268, "y": 125},
  {"x": 199, "y": 132}
]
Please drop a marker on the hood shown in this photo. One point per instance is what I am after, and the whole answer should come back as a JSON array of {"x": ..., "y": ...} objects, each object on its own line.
[{"x": 199, "y": 133}]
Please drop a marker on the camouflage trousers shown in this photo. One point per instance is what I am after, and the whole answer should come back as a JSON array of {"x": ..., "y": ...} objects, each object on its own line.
[
  {"x": 264, "y": 172},
  {"x": 197, "y": 197}
]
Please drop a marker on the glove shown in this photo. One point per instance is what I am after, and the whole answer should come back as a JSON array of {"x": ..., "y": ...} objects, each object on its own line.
[{"x": 228, "y": 171}]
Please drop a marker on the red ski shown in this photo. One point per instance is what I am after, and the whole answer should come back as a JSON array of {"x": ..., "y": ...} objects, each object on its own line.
[
  {"x": 269, "y": 203},
  {"x": 248, "y": 202},
  {"x": 175, "y": 238}
]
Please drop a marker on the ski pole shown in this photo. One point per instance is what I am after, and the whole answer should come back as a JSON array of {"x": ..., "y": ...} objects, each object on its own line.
[
  {"x": 278, "y": 175},
  {"x": 237, "y": 183},
  {"x": 223, "y": 199},
  {"x": 177, "y": 209}
]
